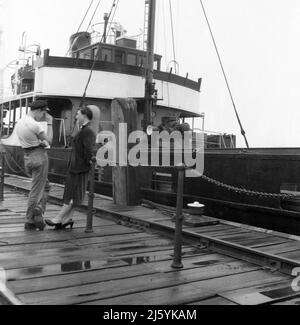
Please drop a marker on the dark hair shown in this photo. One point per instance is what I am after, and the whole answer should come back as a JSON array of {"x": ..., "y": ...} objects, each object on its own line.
[
  {"x": 87, "y": 112},
  {"x": 38, "y": 104}
]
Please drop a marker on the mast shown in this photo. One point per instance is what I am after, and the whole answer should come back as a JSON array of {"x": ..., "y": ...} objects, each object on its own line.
[
  {"x": 149, "y": 86},
  {"x": 106, "y": 18}
]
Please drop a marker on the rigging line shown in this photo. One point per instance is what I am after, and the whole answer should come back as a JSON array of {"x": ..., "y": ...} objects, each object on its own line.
[
  {"x": 172, "y": 29},
  {"x": 95, "y": 59},
  {"x": 93, "y": 15},
  {"x": 165, "y": 35},
  {"x": 85, "y": 16},
  {"x": 224, "y": 74}
]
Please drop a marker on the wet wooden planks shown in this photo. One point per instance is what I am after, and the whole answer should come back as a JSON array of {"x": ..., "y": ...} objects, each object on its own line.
[
  {"x": 98, "y": 275},
  {"x": 206, "y": 288},
  {"x": 73, "y": 267}
]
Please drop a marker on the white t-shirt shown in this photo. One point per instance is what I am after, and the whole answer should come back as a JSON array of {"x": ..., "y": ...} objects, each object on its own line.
[{"x": 27, "y": 130}]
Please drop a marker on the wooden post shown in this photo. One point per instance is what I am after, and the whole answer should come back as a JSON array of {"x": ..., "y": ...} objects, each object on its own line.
[
  {"x": 177, "y": 260},
  {"x": 124, "y": 177},
  {"x": 89, "y": 220}
]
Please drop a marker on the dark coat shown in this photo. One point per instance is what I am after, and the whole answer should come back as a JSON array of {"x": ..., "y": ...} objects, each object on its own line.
[{"x": 82, "y": 151}]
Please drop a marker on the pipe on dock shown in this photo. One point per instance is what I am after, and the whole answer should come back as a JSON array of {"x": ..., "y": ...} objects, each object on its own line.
[
  {"x": 91, "y": 210},
  {"x": 177, "y": 260}
]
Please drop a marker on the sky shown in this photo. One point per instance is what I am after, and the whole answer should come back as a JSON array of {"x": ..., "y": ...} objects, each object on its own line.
[{"x": 258, "y": 41}]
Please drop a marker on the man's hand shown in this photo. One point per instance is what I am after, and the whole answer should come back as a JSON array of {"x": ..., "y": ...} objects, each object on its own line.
[{"x": 44, "y": 144}]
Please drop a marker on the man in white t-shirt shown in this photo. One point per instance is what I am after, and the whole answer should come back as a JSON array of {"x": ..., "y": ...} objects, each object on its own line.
[{"x": 34, "y": 141}]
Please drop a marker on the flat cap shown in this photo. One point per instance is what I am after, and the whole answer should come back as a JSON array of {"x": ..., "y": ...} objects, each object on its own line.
[{"x": 39, "y": 104}]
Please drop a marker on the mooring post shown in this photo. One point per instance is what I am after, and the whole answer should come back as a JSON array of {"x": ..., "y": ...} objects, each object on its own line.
[
  {"x": 90, "y": 214},
  {"x": 2, "y": 157},
  {"x": 177, "y": 260}
]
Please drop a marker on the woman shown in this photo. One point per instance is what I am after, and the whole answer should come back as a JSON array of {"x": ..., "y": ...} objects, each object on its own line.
[{"x": 78, "y": 170}]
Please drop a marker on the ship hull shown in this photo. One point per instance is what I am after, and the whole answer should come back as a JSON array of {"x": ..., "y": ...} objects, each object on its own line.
[{"x": 267, "y": 171}]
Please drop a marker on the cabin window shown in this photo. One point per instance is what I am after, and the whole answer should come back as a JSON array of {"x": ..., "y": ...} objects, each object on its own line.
[
  {"x": 87, "y": 56},
  {"x": 131, "y": 59},
  {"x": 106, "y": 55},
  {"x": 120, "y": 57}
]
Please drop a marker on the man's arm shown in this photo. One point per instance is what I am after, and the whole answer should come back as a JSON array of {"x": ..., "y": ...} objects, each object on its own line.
[{"x": 42, "y": 136}]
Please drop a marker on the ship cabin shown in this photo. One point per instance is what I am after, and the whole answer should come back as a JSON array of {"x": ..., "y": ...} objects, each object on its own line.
[
  {"x": 118, "y": 72},
  {"x": 124, "y": 51}
]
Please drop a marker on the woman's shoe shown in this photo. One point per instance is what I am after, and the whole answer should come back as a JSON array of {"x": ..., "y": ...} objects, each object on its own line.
[
  {"x": 67, "y": 224},
  {"x": 50, "y": 223}
]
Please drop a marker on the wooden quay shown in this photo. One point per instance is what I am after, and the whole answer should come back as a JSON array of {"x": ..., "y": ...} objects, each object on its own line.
[{"x": 127, "y": 259}]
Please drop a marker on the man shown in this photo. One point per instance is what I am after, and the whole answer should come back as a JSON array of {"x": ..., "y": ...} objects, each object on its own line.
[
  {"x": 34, "y": 141},
  {"x": 78, "y": 170}
]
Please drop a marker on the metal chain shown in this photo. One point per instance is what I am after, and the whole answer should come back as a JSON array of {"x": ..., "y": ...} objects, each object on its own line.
[{"x": 247, "y": 192}]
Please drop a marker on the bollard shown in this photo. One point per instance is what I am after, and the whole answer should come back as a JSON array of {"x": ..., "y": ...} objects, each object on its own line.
[
  {"x": 2, "y": 176},
  {"x": 90, "y": 214},
  {"x": 177, "y": 260}
]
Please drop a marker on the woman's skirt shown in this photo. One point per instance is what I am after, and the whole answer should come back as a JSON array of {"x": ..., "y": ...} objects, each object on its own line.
[{"x": 75, "y": 188}]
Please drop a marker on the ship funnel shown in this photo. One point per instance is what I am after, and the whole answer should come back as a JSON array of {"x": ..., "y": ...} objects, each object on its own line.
[{"x": 79, "y": 41}]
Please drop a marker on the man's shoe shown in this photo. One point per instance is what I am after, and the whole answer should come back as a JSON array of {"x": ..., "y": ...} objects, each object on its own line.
[
  {"x": 38, "y": 218},
  {"x": 29, "y": 226},
  {"x": 40, "y": 225},
  {"x": 37, "y": 211}
]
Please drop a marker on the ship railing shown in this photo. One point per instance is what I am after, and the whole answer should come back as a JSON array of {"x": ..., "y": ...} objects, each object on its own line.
[
  {"x": 62, "y": 131},
  {"x": 12, "y": 109},
  {"x": 97, "y": 36},
  {"x": 221, "y": 138}
]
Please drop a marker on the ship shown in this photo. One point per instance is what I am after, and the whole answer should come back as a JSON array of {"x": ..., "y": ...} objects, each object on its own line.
[{"x": 254, "y": 186}]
